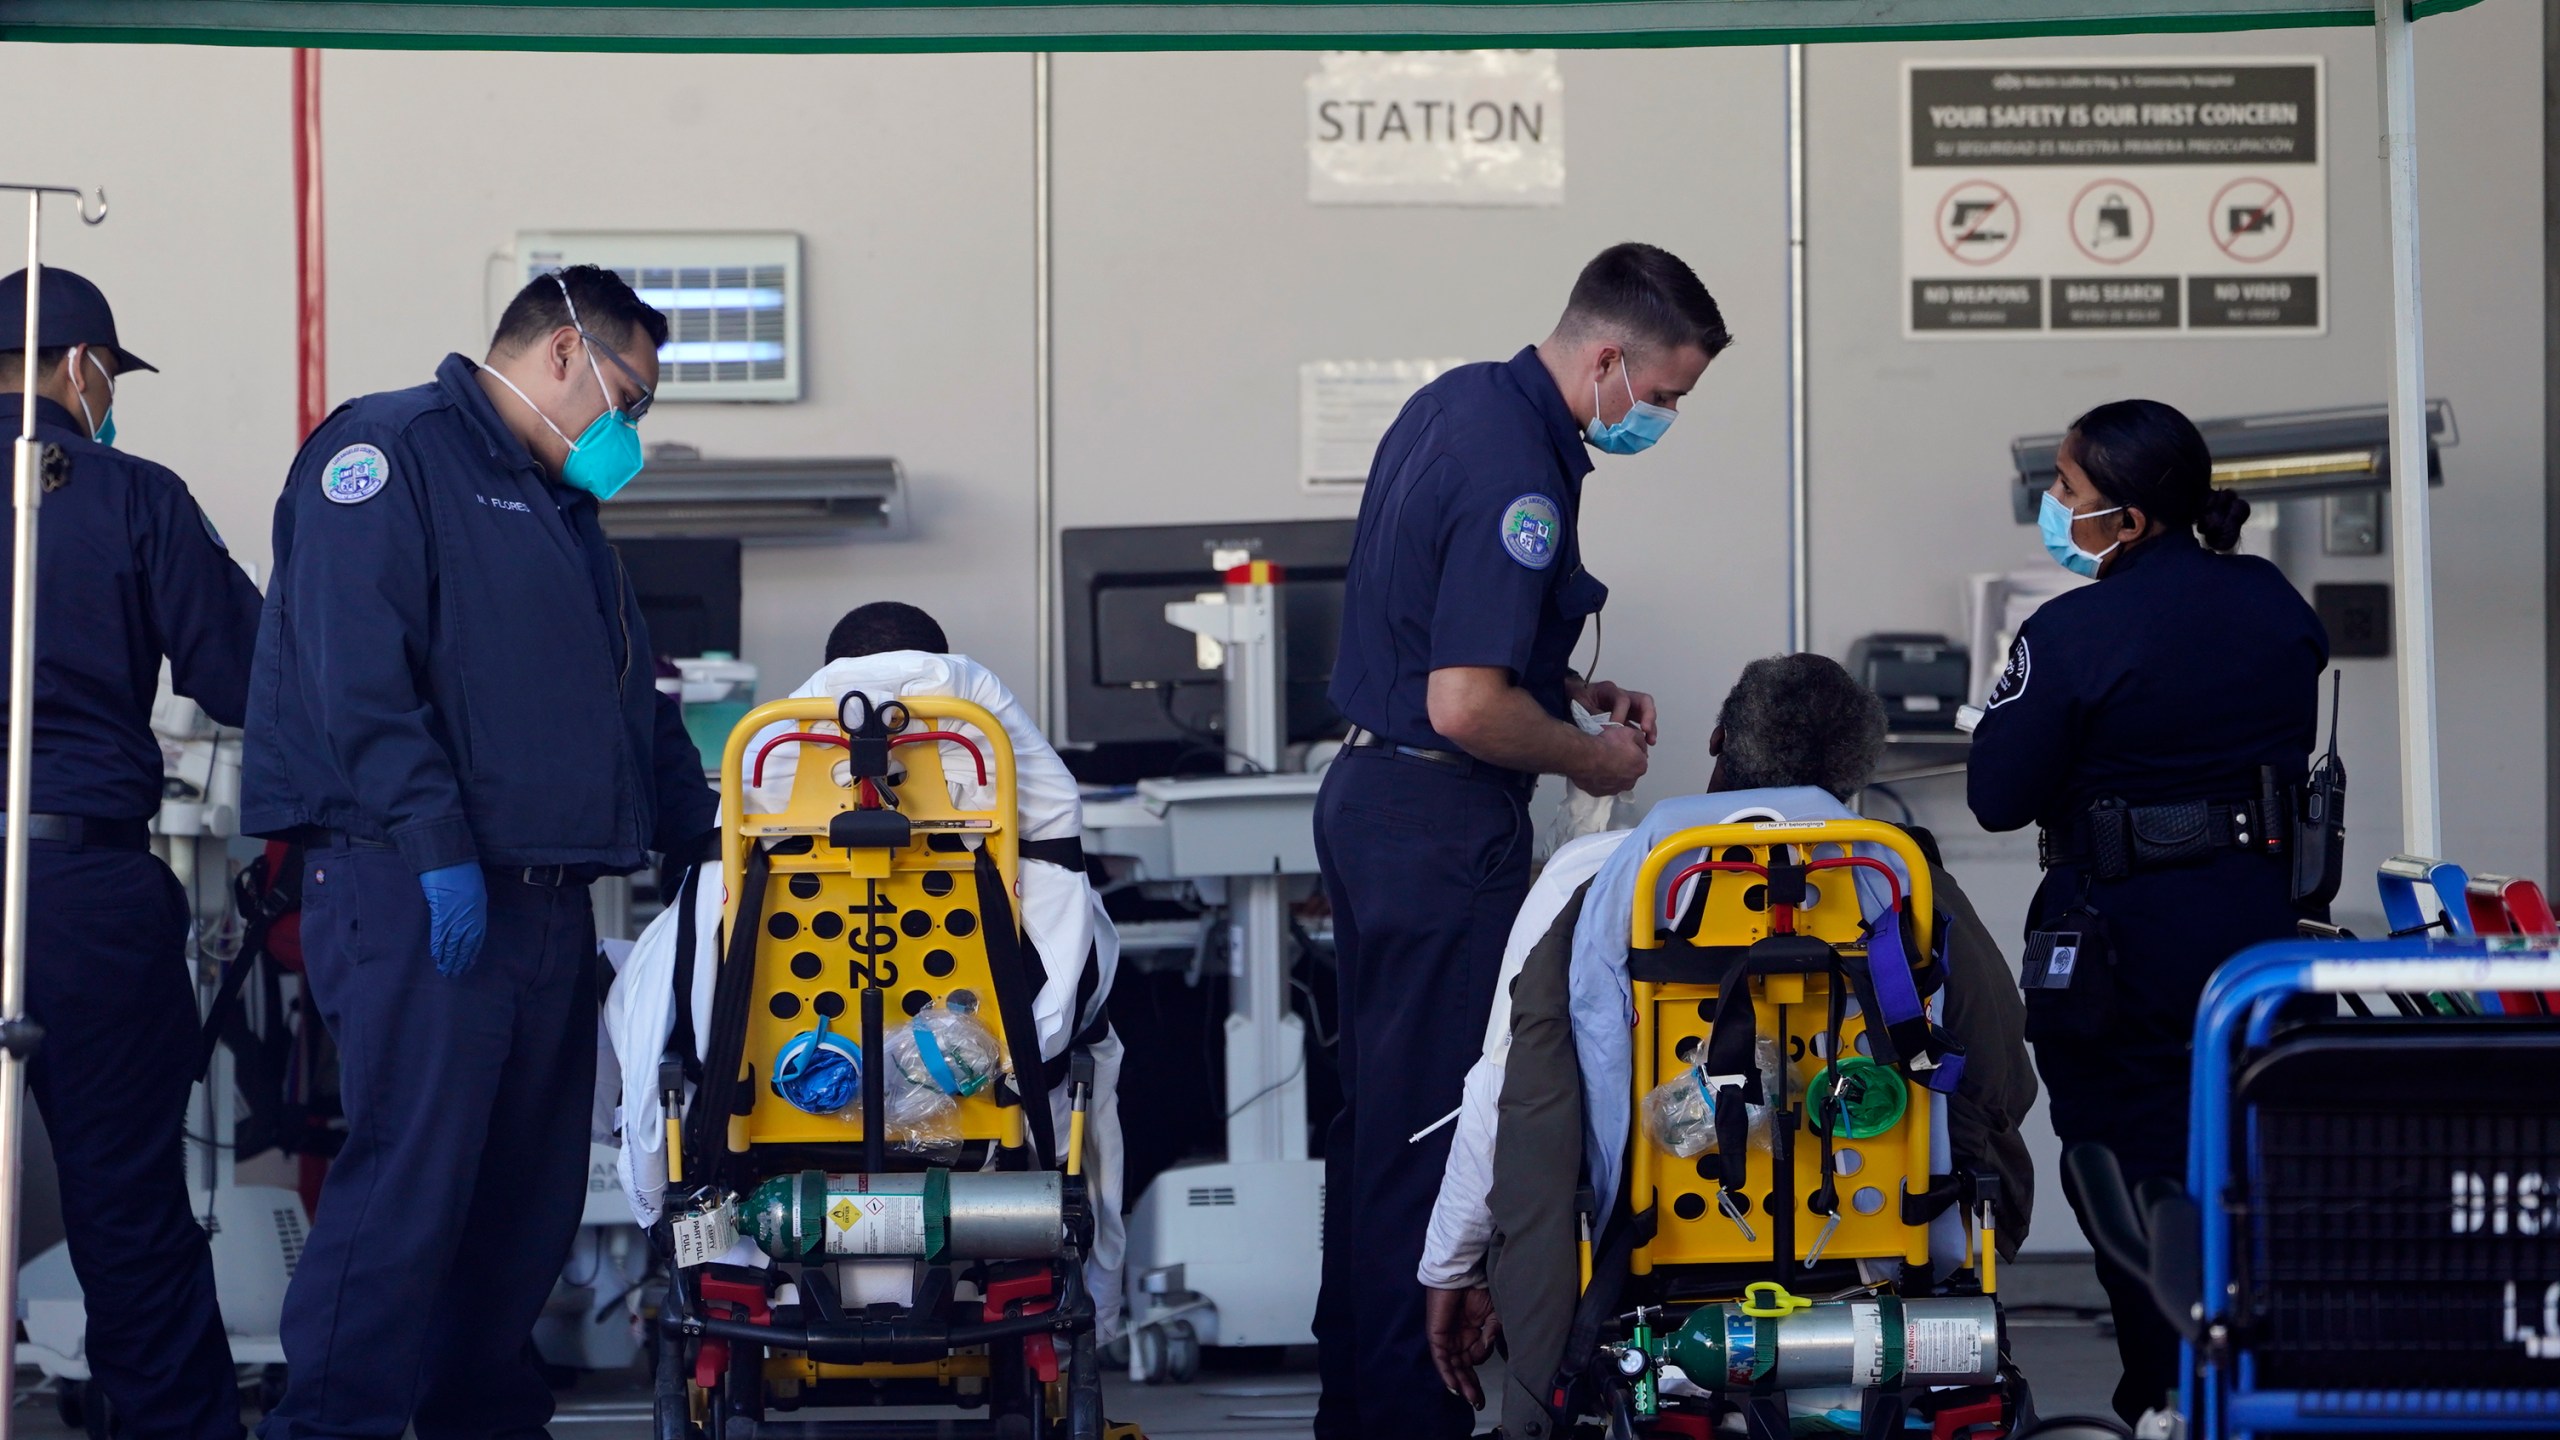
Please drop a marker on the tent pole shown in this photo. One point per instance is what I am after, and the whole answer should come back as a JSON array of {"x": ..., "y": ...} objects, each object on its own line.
[
  {"x": 1044, "y": 600},
  {"x": 2421, "y": 815},
  {"x": 1799, "y": 477},
  {"x": 20, "y": 1036}
]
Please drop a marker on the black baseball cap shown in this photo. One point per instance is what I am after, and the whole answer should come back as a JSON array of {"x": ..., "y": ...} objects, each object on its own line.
[{"x": 71, "y": 312}]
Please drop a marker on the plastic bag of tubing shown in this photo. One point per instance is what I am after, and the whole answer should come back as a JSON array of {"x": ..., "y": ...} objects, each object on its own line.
[{"x": 1680, "y": 1113}]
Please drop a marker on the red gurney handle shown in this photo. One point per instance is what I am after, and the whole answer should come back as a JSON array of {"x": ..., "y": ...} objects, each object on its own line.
[
  {"x": 796, "y": 737},
  {"x": 927, "y": 737},
  {"x": 1671, "y": 892},
  {"x": 1845, "y": 862}
]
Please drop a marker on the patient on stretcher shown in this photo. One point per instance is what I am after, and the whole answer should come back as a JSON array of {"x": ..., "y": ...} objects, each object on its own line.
[
  {"x": 1546, "y": 1112},
  {"x": 889, "y": 650}
]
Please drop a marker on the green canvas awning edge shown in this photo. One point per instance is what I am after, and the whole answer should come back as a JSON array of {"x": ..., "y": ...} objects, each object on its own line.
[{"x": 832, "y": 26}]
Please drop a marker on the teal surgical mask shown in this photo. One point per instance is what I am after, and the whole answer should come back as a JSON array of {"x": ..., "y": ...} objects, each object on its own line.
[
  {"x": 2055, "y": 521},
  {"x": 1642, "y": 425},
  {"x": 606, "y": 455},
  {"x": 102, "y": 428}
]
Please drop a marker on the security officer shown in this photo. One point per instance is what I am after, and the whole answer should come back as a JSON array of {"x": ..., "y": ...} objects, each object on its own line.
[
  {"x": 129, "y": 572},
  {"x": 455, "y": 709},
  {"x": 1465, "y": 597},
  {"x": 2158, "y": 725}
]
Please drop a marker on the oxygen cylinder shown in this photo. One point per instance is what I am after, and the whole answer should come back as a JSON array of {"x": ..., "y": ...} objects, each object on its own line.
[
  {"x": 1870, "y": 1341},
  {"x": 931, "y": 1215}
]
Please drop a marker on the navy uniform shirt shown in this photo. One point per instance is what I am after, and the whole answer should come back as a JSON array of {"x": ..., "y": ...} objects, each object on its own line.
[
  {"x": 2173, "y": 678},
  {"x": 1468, "y": 550},
  {"x": 452, "y": 660},
  {"x": 128, "y": 571}
]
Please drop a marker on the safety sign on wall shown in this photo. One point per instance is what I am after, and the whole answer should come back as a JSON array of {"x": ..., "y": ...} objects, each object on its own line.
[
  {"x": 2102, "y": 198},
  {"x": 1480, "y": 127}
]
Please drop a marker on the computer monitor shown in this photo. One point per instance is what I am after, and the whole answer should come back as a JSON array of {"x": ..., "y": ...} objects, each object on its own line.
[
  {"x": 1131, "y": 677},
  {"x": 689, "y": 593}
]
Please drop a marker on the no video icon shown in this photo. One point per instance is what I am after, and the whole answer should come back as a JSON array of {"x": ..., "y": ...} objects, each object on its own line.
[{"x": 2251, "y": 219}]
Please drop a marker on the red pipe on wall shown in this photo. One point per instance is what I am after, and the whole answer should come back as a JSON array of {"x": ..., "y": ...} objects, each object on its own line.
[{"x": 311, "y": 311}]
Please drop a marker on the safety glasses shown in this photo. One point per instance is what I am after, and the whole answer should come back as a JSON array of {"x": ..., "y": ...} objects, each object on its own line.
[{"x": 634, "y": 409}]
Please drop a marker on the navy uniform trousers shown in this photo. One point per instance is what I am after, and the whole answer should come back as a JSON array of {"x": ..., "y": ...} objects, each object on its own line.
[
  {"x": 2171, "y": 929},
  {"x": 1426, "y": 869},
  {"x": 450, "y": 1212},
  {"x": 107, "y": 979}
]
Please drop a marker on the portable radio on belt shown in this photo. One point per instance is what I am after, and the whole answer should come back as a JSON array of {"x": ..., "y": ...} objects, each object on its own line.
[
  {"x": 2320, "y": 835},
  {"x": 2068, "y": 974}
]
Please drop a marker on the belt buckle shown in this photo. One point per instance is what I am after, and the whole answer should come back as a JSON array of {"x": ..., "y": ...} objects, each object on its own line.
[{"x": 549, "y": 877}]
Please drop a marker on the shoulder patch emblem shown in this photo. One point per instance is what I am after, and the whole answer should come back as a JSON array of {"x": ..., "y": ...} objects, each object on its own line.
[
  {"x": 355, "y": 474},
  {"x": 1531, "y": 526},
  {"x": 212, "y": 534},
  {"x": 2013, "y": 676}
]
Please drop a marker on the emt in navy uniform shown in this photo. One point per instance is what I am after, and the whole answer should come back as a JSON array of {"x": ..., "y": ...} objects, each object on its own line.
[
  {"x": 1464, "y": 600},
  {"x": 455, "y": 708},
  {"x": 129, "y": 572},
  {"x": 2158, "y": 726}
]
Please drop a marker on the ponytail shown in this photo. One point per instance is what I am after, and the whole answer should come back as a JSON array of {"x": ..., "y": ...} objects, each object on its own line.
[{"x": 2219, "y": 526}]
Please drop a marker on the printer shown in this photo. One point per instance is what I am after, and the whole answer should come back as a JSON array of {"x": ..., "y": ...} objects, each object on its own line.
[{"x": 1921, "y": 678}]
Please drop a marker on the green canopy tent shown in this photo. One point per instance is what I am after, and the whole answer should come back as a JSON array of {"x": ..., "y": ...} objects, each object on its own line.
[
  {"x": 801, "y": 26},
  {"x": 1042, "y": 26}
]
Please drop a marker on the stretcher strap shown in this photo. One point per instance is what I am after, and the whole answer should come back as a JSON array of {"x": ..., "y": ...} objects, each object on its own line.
[
  {"x": 1010, "y": 961},
  {"x": 683, "y": 1045},
  {"x": 706, "y": 1123},
  {"x": 1599, "y": 1304},
  {"x": 262, "y": 898},
  {"x": 1887, "y": 991},
  {"x": 1734, "y": 1064}
]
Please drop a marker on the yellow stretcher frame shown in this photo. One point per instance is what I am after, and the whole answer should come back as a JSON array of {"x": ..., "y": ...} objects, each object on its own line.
[
  {"x": 816, "y": 799},
  {"x": 1712, "y": 1238}
]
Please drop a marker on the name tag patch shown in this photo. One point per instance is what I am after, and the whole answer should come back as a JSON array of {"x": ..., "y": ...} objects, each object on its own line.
[
  {"x": 355, "y": 475},
  {"x": 1530, "y": 527}
]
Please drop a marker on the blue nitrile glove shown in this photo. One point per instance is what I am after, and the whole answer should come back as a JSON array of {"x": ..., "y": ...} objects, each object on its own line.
[{"x": 457, "y": 915}]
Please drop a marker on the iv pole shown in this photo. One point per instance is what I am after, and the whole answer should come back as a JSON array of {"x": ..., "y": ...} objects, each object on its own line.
[{"x": 18, "y": 1035}]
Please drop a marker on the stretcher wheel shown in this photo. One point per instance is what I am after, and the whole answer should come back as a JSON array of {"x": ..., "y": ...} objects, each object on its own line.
[
  {"x": 66, "y": 1403},
  {"x": 1182, "y": 1352},
  {"x": 1147, "y": 1349},
  {"x": 97, "y": 1413},
  {"x": 2077, "y": 1427},
  {"x": 1084, "y": 1390}
]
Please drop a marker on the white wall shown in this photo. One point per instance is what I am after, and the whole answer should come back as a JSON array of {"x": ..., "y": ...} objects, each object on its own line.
[
  {"x": 1193, "y": 277},
  {"x": 1910, "y": 436},
  {"x": 194, "y": 147},
  {"x": 909, "y": 180}
]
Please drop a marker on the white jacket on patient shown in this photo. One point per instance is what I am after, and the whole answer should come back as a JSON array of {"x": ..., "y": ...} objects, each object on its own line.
[{"x": 1061, "y": 915}]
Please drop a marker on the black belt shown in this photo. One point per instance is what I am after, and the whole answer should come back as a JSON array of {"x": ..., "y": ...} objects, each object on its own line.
[
  {"x": 2113, "y": 840},
  {"x": 82, "y": 832},
  {"x": 1453, "y": 761},
  {"x": 549, "y": 877}
]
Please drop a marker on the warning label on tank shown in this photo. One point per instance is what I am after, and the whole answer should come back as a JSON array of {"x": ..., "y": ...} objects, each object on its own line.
[
  {"x": 875, "y": 1225},
  {"x": 1943, "y": 1347}
]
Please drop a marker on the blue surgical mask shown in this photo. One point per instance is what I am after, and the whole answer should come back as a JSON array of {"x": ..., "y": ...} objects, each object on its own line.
[
  {"x": 2055, "y": 521},
  {"x": 1637, "y": 430},
  {"x": 101, "y": 428}
]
